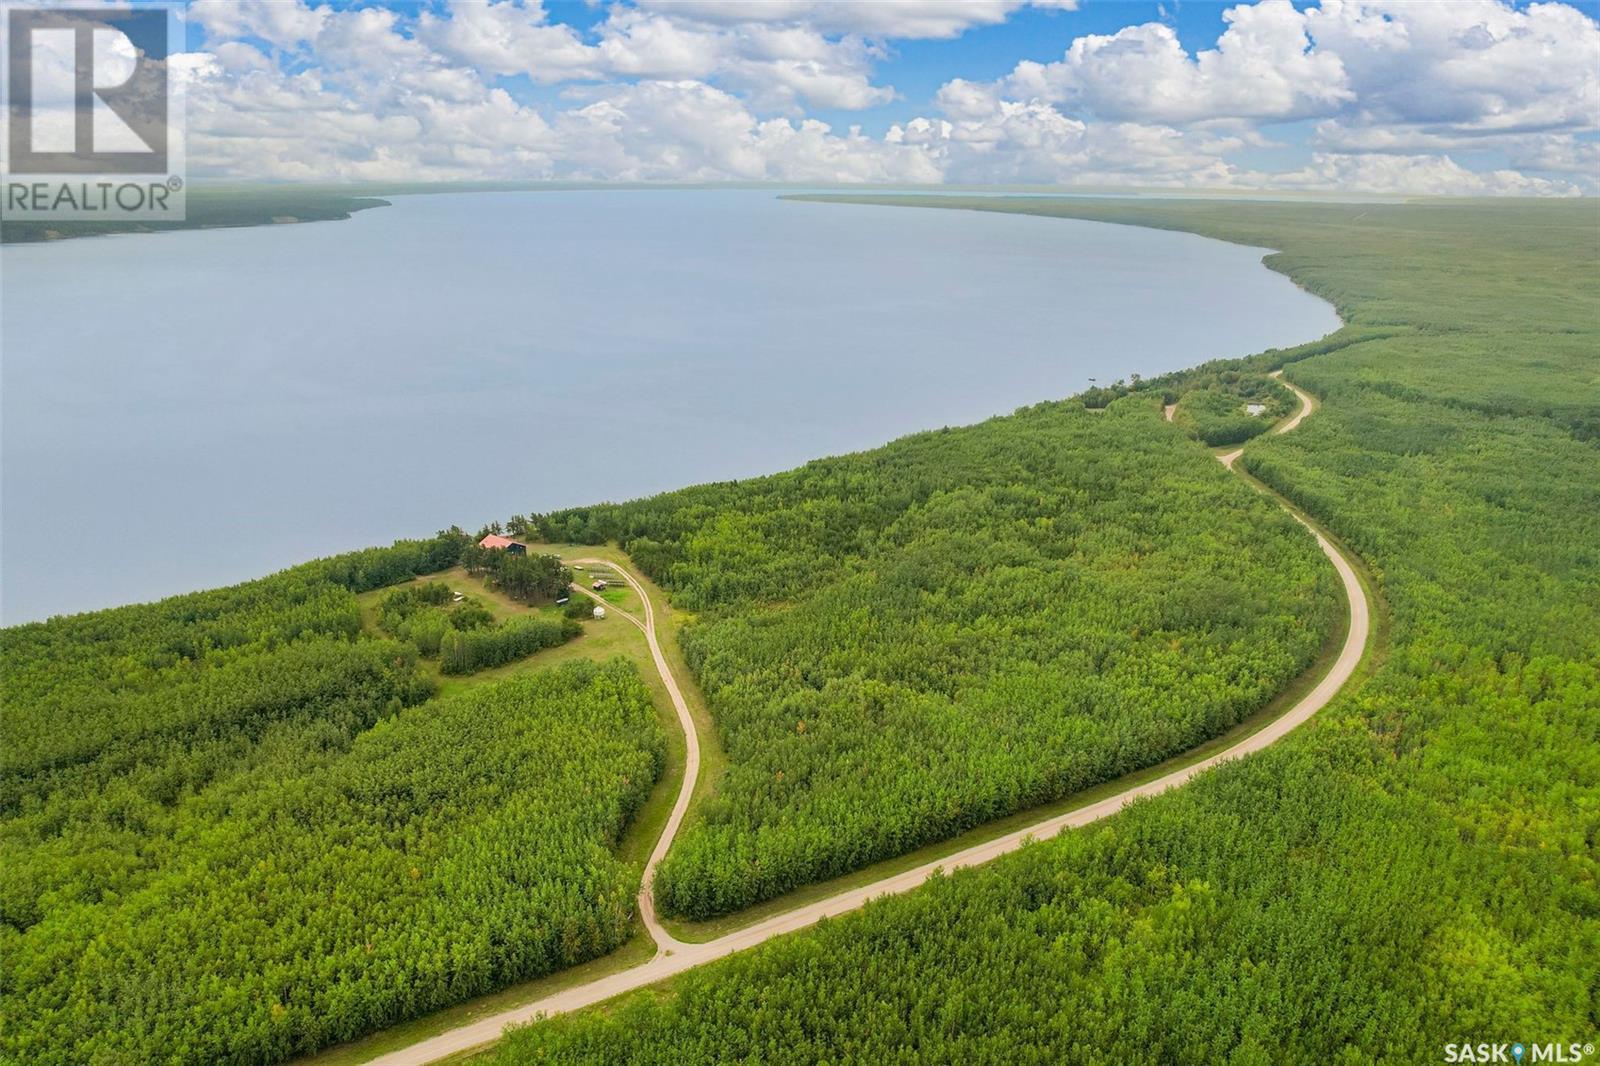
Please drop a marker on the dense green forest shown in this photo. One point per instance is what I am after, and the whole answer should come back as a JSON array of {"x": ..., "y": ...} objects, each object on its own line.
[
  {"x": 901, "y": 644},
  {"x": 1421, "y": 864},
  {"x": 236, "y": 827}
]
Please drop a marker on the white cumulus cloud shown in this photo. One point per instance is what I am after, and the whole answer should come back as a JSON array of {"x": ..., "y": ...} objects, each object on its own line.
[{"x": 1263, "y": 67}]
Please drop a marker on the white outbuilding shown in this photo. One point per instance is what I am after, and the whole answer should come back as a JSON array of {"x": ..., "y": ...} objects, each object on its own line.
[{"x": 599, "y": 612}]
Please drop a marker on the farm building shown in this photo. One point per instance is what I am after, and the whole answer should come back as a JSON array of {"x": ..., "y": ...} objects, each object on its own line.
[
  {"x": 599, "y": 612},
  {"x": 599, "y": 585},
  {"x": 496, "y": 541}
]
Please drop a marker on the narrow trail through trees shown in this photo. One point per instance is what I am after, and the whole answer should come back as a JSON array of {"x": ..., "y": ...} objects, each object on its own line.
[{"x": 675, "y": 957}]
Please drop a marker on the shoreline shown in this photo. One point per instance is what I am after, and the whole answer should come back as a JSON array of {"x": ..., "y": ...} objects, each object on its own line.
[{"x": 807, "y": 440}]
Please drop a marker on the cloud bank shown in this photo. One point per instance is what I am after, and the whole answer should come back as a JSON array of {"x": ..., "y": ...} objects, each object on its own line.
[{"x": 1351, "y": 95}]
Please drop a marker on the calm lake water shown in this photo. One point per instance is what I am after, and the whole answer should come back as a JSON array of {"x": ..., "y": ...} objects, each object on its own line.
[{"x": 187, "y": 410}]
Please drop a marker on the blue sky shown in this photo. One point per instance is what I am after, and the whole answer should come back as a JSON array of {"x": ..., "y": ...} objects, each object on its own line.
[
  {"x": 919, "y": 67},
  {"x": 1470, "y": 96}
]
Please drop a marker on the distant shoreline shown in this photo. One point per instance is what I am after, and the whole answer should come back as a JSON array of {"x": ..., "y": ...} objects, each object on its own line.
[
  {"x": 212, "y": 208},
  {"x": 233, "y": 206}
]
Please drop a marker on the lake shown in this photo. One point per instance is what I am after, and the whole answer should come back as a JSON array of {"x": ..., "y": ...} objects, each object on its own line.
[{"x": 192, "y": 409}]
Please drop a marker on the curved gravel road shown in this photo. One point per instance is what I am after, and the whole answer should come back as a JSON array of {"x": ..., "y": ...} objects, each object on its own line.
[
  {"x": 691, "y": 766},
  {"x": 675, "y": 957}
]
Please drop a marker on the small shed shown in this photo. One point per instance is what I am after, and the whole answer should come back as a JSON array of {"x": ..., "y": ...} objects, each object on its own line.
[
  {"x": 599, "y": 612},
  {"x": 496, "y": 542},
  {"x": 600, "y": 585}
]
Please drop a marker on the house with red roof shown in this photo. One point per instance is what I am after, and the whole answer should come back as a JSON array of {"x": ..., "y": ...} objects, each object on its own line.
[{"x": 499, "y": 543}]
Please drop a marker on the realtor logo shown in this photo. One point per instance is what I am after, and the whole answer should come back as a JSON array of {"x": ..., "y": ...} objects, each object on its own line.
[{"x": 90, "y": 115}]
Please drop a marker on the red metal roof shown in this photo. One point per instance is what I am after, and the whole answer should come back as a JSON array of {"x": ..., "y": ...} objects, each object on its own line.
[{"x": 495, "y": 540}]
